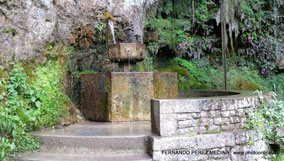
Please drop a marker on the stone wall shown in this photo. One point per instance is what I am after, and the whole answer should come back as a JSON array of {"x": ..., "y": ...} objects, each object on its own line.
[
  {"x": 202, "y": 115},
  {"x": 204, "y": 129},
  {"x": 227, "y": 146}
]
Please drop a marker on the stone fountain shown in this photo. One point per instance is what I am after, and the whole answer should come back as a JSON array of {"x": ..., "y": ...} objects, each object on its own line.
[{"x": 125, "y": 95}]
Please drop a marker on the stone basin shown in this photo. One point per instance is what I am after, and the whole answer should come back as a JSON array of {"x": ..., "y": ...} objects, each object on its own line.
[
  {"x": 124, "y": 52},
  {"x": 201, "y": 112},
  {"x": 124, "y": 96}
]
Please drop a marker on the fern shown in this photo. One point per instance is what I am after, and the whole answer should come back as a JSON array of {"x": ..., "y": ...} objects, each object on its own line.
[{"x": 199, "y": 75}]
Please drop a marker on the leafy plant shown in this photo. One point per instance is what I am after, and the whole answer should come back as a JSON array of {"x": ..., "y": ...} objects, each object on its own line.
[
  {"x": 268, "y": 117},
  {"x": 279, "y": 157},
  {"x": 192, "y": 68},
  {"x": 25, "y": 105}
]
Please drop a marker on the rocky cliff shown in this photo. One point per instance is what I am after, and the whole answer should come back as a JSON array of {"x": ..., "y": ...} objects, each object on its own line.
[{"x": 26, "y": 26}]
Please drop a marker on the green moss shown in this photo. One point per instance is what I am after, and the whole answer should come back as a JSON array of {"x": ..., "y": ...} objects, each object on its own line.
[
  {"x": 10, "y": 30},
  {"x": 139, "y": 67},
  {"x": 4, "y": 73},
  {"x": 186, "y": 79},
  {"x": 246, "y": 85},
  {"x": 88, "y": 72}
]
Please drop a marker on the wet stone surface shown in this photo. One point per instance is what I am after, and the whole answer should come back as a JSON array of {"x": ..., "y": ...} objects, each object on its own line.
[{"x": 124, "y": 96}]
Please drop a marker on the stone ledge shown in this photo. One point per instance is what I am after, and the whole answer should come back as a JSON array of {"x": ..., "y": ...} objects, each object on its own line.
[{"x": 230, "y": 142}]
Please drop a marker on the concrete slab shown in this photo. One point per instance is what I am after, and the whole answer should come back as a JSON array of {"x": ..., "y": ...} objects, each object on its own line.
[
  {"x": 100, "y": 129},
  {"x": 81, "y": 157},
  {"x": 96, "y": 138}
]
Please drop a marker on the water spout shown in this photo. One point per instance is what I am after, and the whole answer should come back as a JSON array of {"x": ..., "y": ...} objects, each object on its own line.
[{"x": 111, "y": 26}]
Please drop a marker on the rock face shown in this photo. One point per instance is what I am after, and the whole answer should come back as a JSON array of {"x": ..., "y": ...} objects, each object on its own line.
[
  {"x": 281, "y": 64},
  {"x": 26, "y": 26}
]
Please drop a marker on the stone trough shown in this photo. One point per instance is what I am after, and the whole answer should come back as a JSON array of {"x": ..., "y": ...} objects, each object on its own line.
[
  {"x": 209, "y": 125},
  {"x": 124, "y": 96}
]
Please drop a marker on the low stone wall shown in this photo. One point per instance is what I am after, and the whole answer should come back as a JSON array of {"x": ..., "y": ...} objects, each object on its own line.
[
  {"x": 200, "y": 115},
  {"x": 204, "y": 129},
  {"x": 228, "y": 146}
]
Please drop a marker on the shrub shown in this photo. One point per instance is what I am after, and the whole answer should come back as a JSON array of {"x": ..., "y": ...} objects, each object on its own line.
[
  {"x": 267, "y": 118},
  {"x": 25, "y": 105}
]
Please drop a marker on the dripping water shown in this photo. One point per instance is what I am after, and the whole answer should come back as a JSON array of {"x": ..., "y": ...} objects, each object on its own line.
[
  {"x": 129, "y": 58},
  {"x": 111, "y": 26}
]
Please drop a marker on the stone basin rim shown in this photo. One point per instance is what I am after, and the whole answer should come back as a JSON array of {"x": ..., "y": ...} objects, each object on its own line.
[{"x": 237, "y": 94}]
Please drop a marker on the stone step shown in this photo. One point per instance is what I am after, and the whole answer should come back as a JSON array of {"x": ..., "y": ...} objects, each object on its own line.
[
  {"x": 81, "y": 157},
  {"x": 97, "y": 138}
]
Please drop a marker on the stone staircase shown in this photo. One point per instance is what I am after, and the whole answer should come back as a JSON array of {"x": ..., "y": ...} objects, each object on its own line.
[{"x": 92, "y": 141}]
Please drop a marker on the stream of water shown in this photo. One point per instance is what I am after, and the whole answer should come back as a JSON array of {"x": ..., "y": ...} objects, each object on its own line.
[{"x": 111, "y": 26}]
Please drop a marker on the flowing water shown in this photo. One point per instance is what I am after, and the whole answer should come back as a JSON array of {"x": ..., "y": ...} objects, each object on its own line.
[{"x": 111, "y": 26}]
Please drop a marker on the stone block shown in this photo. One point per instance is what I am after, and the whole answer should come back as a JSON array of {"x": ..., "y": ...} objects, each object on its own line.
[
  {"x": 234, "y": 119},
  {"x": 204, "y": 114},
  {"x": 214, "y": 113},
  {"x": 218, "y": 121},
  {"x": 205, "y": 104},
  {"x": 94, "y": 93},
  {"x": 249, "y": 155},
  {"x": 246, "y": 102},
  {"x": 241, "y": 137},
  {"x": 240, "y": 112},
  {"x": 208, "y": 141},
  {"x": 177, "y": 142},
  {"x": 164, "y": 124},
  {"x": 186, "y": 116},
  {"x": 179, "y": 106},
  {"x": 165, "y": 85},
  {"x": 187, "y": 131},
  {"x": 126, "y": 51},
  {"x": 225, "y": 113},
  {"x": 214, "y": 128},
  {"x": 221, "y": 154},
  {"x": 123, "y": 96},
  {"x": 205, "y": 122},
  {"x": 187, "y": 123},
  {"x": 232, "y": 104},
  {"x": 228, "y": 127},
  {"x": 117, "y": 96},
  {"x": 196, "y": 115}
]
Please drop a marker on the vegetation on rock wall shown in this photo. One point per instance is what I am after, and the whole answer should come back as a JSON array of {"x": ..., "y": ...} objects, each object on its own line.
[
  {"x": 266, "y": 119},
  {"x": 185, "y": 37},
  {"x": 191, "y": 30},
  {"x": 26, "y": 92}
]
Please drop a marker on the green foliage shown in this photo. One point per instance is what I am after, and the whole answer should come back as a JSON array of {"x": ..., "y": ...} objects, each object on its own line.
[
  {"x": 189, "y": 77},
  {"x": 279, "y": 157},
  {"x": 200, "y": 75},
  {"x": 268, "y": 117},
  {"x": 190, "y": 29},
  {"x": 145, "y": 66},
  {"x": 192, "y": 68},
  {"x": 25, "y": 105},
  {"x": 49, "y": 86},
  {"x": 177, "y": 30}
]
